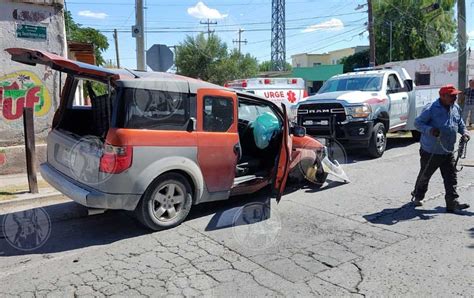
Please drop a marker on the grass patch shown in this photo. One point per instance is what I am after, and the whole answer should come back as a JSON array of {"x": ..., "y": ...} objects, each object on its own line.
[{"x": 11, "y": 192}]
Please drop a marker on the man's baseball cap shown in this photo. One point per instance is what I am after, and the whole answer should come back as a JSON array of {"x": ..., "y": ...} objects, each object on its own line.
[{"x": 449, "y": 89}]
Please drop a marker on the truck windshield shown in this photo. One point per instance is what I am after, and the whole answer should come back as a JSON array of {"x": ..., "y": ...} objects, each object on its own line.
[{"x": 352, "y": 84}]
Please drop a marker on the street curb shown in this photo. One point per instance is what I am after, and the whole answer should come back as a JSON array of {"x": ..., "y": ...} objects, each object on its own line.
[{"x": 36, "y": 201}]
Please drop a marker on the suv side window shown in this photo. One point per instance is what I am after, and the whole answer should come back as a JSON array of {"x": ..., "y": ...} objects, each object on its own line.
[
  {"x": 393, "y": 84},
  {"x": 156, "y": 109},
  {"x": 218, "y": 113}
]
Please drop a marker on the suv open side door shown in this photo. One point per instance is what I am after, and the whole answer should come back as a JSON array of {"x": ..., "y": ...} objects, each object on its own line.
[{"x": 283, "y": 167}]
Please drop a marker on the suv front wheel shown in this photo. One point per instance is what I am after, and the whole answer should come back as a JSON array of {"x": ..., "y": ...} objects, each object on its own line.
[{"x": 166, "y": 203}]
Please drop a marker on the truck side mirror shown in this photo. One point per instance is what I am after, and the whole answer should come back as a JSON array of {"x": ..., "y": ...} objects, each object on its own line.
[
  {"x": 408, "y": 85},
  {"x": 298, "y": 131}
]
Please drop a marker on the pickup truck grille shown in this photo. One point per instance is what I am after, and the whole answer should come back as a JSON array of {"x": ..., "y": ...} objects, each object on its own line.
[
  {"x": 321, "y": 110},
  {"x": 318, "y": 117}
]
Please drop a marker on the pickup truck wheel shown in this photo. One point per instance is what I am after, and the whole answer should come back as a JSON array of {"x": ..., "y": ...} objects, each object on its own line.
[
  {"x": 378, "y": 141},
  {"x": 166, "y": 203},
  {"x": 415, "y": 135}
]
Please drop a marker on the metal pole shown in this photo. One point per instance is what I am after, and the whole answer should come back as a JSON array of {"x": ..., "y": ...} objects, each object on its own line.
[
  {"x": 240, "y": 39},
  {"x": 390, "y": 41},
  {"x": 141, "y": 36},
  {"x": 371, "y": 35},
  {"x": 117, "y": 58},
  {"x": 462, "y": 58},
  {"x": 30, "y": 149}
]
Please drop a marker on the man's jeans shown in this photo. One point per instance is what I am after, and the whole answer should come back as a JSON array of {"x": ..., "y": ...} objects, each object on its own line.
[
  {"x": 465, "y": 113},
  {"x": 429, "y": 165}
]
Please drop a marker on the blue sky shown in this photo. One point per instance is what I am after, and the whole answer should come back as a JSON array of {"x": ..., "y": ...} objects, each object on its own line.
[{"x": 315, "y": 26}]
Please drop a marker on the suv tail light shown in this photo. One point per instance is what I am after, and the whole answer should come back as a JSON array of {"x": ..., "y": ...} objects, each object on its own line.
[{"x": 116, "y": 159}]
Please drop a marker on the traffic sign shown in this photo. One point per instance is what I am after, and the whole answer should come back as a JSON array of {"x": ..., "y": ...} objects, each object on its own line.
[{"x": 159, "y": 57}]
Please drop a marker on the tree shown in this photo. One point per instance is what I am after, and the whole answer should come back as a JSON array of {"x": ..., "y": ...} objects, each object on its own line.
[
  {"x": 267, "y": 66},
  {"x": 75, "y": 32},
  {"x": 419, "y": 29},
  {"x": 360, "y": 59},
  {"x": 210, "y": 60}
]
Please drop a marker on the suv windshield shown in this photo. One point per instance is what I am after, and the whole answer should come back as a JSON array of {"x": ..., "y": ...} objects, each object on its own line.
[{"x": 352, "y": 84}]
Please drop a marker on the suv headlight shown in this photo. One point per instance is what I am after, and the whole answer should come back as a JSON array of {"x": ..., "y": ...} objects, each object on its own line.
[{"x": 362, "y": 111}]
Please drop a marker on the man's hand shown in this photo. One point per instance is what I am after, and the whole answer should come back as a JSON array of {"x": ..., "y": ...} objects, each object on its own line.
[
  {"x": 435, "y": 132},
  {"x": 466, "y": 136}
]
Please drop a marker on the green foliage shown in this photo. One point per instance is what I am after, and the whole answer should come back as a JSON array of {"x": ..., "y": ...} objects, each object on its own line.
[
  {"x": 267, "y": 66},
  {"x": 360, "y": 59},
  {"x": 75, "y": 32},
  {"x": 210, "y": 60},
  {"x": 416, "y": 31}
]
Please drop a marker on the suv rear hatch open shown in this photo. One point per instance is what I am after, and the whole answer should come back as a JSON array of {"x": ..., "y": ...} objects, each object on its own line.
[{"x": 76, "y": 142}]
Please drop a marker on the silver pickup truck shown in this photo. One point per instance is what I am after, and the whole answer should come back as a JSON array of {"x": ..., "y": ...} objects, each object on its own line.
[{"x": 359, "y": 108}]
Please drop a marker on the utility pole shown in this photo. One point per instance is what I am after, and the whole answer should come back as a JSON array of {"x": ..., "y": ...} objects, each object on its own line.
[
  {"x": 116, "y": 48},
  {"x": 391, "y": 32},
  {"x": 175, "y": 48},
  {"x": 209, "y": 23},
  {"x": 462, "y": 58},
  {"x": 371, "y": 34},
  {"x": 240, "y": 41},
  {"x": 140, "y": 35}
]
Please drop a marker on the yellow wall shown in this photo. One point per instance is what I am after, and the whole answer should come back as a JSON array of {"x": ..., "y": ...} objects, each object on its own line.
[{"x": 333, "y": 57}]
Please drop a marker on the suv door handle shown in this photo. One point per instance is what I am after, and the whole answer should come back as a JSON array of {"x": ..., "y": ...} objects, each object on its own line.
[{"x": 238, "y": 151}]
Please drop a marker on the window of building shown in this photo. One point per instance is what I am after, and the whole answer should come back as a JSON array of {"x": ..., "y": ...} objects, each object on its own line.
[
  {"x": 298, "y": 65},
  {"x": 422, "y": 78},
  {"x": 218, "y": 113},
  {"x": 316, "y": 63}
]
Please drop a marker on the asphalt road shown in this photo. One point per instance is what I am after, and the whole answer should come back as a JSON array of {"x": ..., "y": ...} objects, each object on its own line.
[{"x": 362, "y": 238}]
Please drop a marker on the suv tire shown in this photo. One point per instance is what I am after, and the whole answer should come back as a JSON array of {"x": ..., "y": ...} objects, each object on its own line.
[
  {"x": 378, "y": 141},
  {"x": 166, "y": 202}
]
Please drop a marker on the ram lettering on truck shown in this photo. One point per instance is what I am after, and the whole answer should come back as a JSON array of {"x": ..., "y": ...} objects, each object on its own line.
[{"x": 359, "y": 108}]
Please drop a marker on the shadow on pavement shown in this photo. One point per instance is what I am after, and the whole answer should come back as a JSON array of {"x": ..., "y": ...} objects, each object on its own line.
[
  {"x": 391, "y": 216},
  {"x": 65, "y": 227}
]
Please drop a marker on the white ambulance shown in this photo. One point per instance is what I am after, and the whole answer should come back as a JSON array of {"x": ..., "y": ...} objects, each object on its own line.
[{"x": 289, "y": 91}]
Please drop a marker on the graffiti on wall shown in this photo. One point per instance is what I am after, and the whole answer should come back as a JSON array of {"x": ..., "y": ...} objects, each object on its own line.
[{"x": 23, "y": 89}]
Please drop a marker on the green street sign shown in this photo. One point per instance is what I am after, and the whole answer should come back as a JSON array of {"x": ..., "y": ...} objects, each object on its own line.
[{"x": 29, "y": 31}]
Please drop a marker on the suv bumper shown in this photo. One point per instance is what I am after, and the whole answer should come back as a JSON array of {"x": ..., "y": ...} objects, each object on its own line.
[
  {"x": 86, "y": 196},
  {"x": 352, "y": 134}
]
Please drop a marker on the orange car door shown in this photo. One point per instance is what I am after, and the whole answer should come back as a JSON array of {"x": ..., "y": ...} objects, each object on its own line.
[
  {"x": 284, "y": 160},
  {"x": 218, "y": 138}
]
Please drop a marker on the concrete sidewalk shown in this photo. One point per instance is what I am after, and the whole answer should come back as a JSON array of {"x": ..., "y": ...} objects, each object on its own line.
[{"x": 14, "y": 191}]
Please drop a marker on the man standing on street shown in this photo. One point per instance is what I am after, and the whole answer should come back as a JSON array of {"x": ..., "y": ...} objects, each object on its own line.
[
  {"x": 469, "y": 104},
  {"x": 439, "y": 123}
]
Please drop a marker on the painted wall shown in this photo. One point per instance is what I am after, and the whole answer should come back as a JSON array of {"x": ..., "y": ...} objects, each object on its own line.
[
  {"x": 31, "y": 86},
  {"x": 443, "y": 69}
]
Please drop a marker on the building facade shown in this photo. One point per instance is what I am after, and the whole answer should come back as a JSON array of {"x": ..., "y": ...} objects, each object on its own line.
[
  {"x": 36, "y": 24},
  {"x": 329, "y": 58}
]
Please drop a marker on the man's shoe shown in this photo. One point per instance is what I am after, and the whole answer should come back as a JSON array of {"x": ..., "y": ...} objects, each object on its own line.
[
  {"x": 456, "y": 206},
  {"x": 417, "y": 202}
]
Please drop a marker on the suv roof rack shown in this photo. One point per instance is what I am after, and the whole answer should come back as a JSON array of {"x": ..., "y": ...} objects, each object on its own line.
[{"x": 372, "y": 68}]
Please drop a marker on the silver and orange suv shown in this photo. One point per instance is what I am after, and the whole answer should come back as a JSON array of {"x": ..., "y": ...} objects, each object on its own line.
[{"x": 159, "y": 143}]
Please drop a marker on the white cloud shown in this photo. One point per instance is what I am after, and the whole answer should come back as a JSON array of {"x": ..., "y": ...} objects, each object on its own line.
[
  {"x": 91, "y": 14},
  {"x": 470, "y": 34},
  {"x": 331, "y": 25},
  {"x": 201, "y": 11}
]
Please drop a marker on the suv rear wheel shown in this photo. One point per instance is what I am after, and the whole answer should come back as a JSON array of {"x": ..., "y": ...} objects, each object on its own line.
[
  {"x": 378, "y": 141},
  {"x": 166, "y": 203}
]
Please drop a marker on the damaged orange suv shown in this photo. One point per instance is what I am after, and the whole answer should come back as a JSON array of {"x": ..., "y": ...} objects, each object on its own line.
[{"x": 159, "y": 143}]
